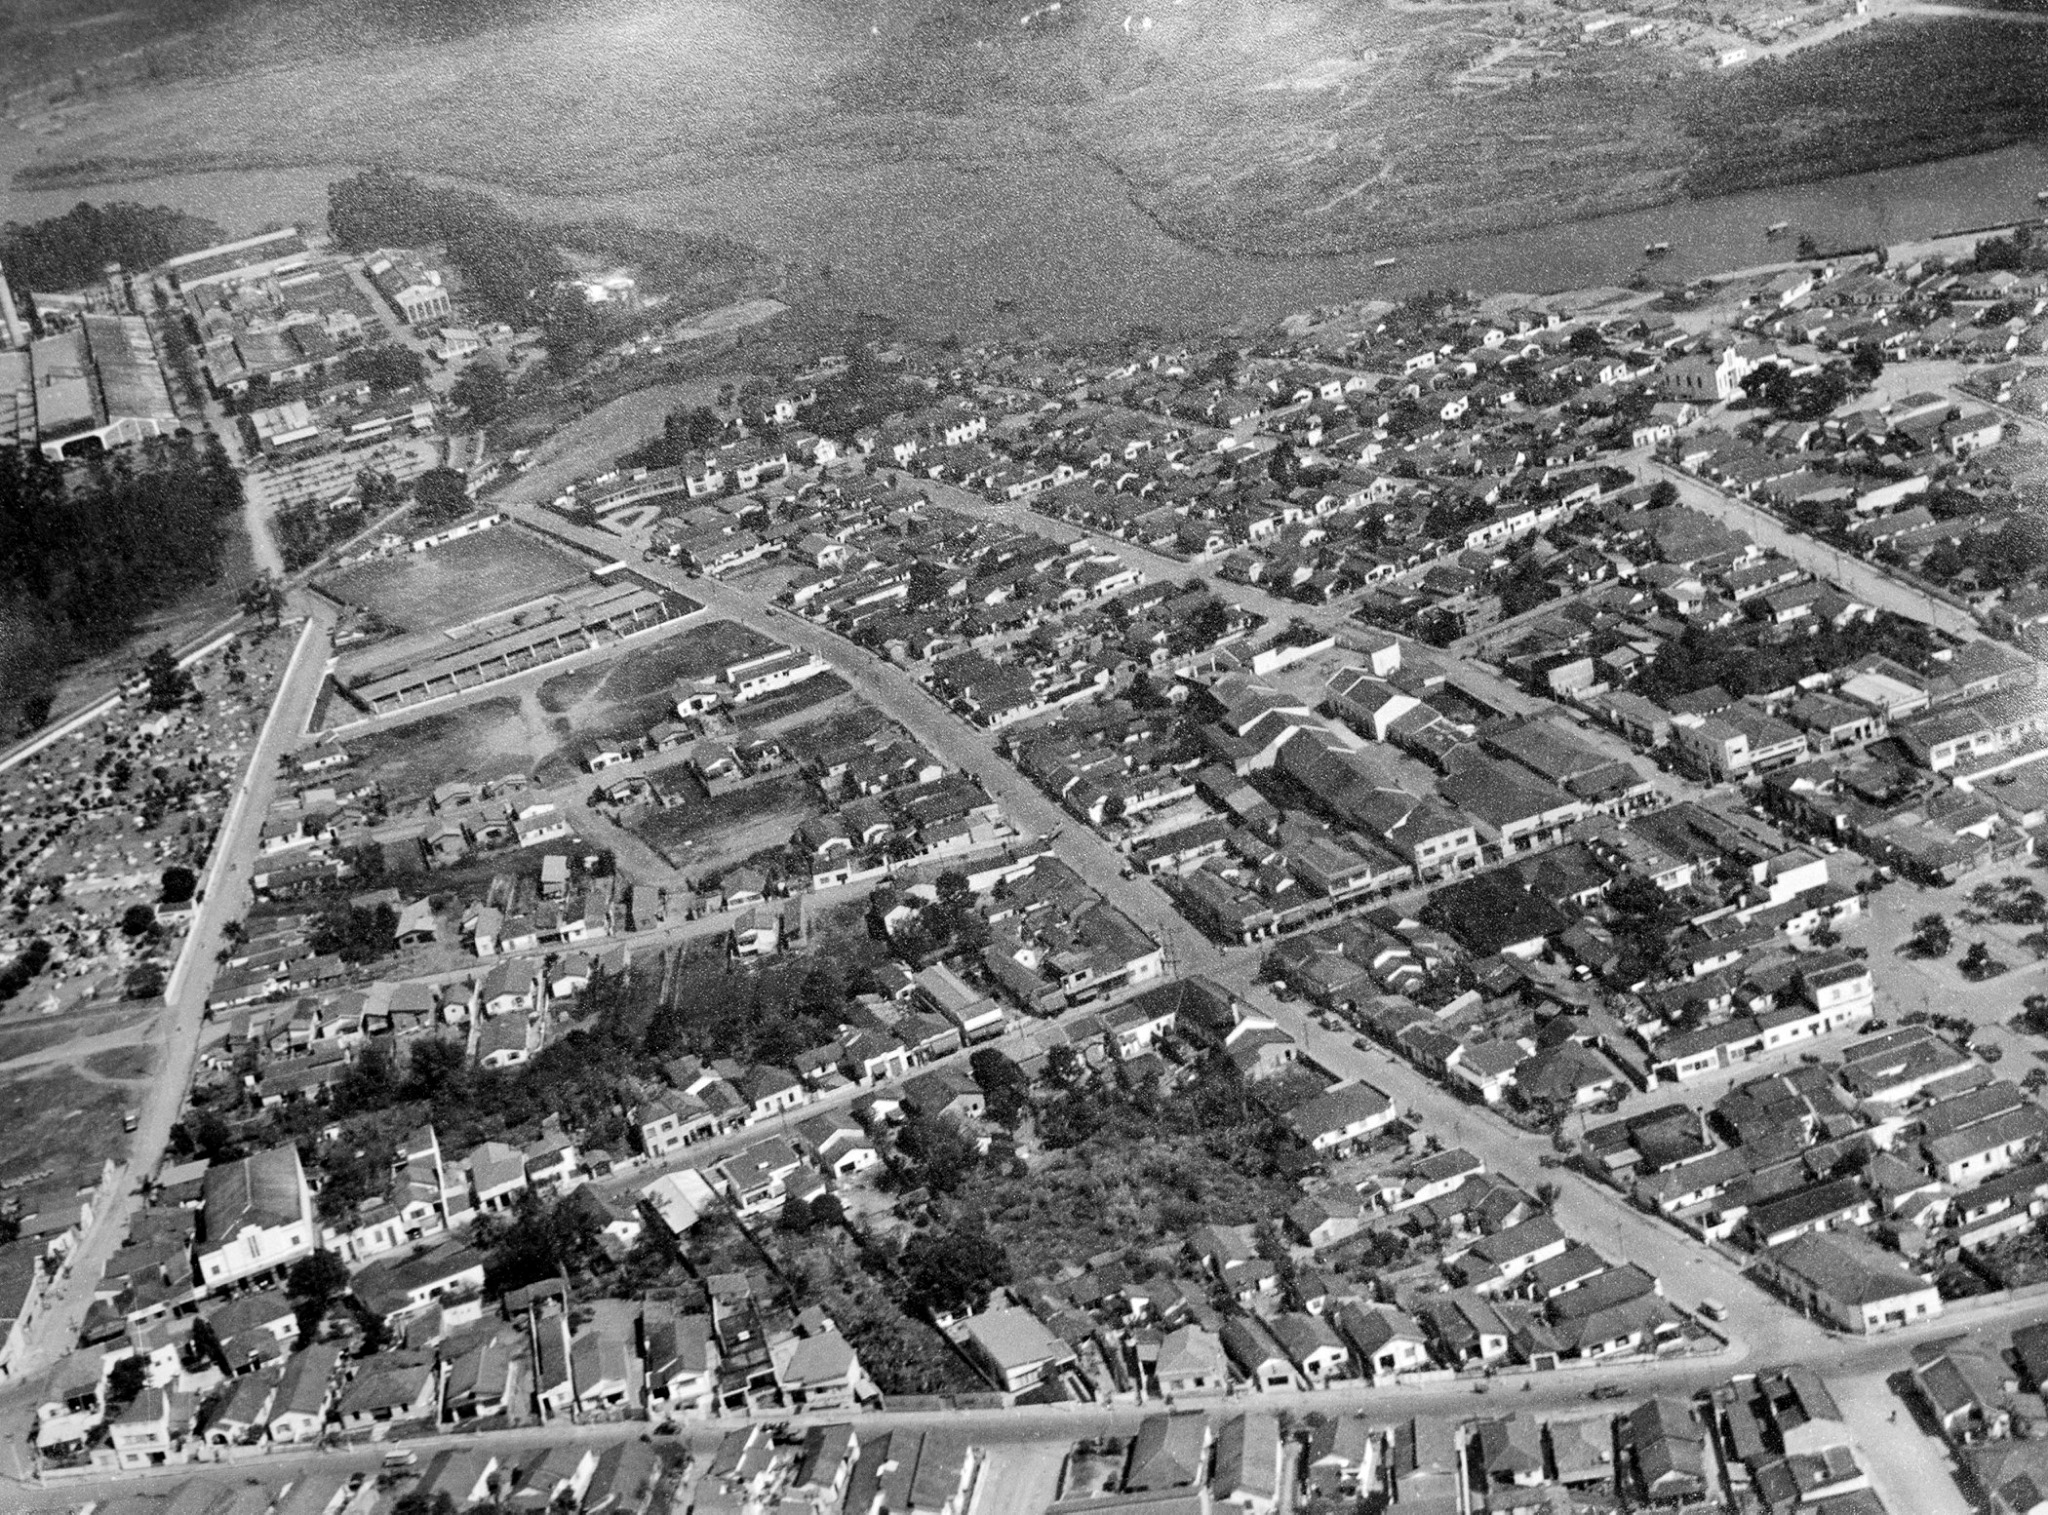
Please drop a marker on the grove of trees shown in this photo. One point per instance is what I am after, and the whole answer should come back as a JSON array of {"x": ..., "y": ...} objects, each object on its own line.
[
  {"x": 71, "y": 250},
  {"x": 87, "y": 554}
]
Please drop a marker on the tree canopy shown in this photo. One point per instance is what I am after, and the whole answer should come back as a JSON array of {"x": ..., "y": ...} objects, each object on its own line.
[
  {"x": 87, "y": 554},
  {"x": 71, "y": 250}
]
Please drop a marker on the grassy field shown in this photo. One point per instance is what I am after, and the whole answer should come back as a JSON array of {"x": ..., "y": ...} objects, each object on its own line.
[
  {"x": 708, "y": 835},
  {"x": 648, "y": 673},
  {"x": 128, "y": 1064},
  {"x": 461, "y": 582},
  {"x": 60, "y": 1122}
]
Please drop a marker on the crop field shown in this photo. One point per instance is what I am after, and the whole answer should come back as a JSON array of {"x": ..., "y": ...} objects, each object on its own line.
[{"x": 459, "y": 583}]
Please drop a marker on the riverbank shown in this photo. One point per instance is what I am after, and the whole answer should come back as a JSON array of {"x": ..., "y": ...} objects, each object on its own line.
[{"x": 1010, "y": 213}]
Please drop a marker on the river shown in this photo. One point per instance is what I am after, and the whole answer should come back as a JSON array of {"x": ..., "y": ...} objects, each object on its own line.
[{"x": 1049, "y": 242}]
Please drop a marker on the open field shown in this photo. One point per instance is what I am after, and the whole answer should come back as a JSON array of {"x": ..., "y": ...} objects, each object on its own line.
[
  {"x": 462, "y": 582},
  {"x": 540, "y": 724},
  {"x": 59, "y": 1122},
  {"x": 477, "y": 742},
  {"x": 127, "y": 1064},
  {"x": 592, "y": 443},
  {"x": 707, "y": 836},
  {"x": 640, "y": 675},
  {"x": 24, "y": 1038}
]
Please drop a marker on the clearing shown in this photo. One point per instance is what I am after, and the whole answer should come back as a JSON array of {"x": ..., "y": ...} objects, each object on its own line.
[
  {"x": 703, "y": 837},
  {"x": 59, "y": 1126},
  {"x": 464, "y": 581},
  {"x": 478, "y": 742}
]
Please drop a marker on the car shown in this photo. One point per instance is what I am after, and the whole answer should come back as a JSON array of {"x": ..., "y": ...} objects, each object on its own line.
[
  {"x": 1605, "y": 1391},
  {"x": 404, "y": 1457}
]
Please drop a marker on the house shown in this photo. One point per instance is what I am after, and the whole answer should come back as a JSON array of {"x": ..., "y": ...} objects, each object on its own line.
[
  {"x": 298, "y": 1411},
  {"x": 681, "y": 1363},
  {"x": 1968, "y": 1391},
  {"x": 1257, "y": 1356},
  {"x": 914, "y": 1473},
  {"x": 1249, "y": 1457},
  {"x": 1385, "y": 1338},
  {"x": 821, "y": 1371},
  {"x": 1313, "y": 1346},
  {"x": 152, "y": 1430},
  {"x": 383, "y": 1394},
  {"x": 1667, "y": 1450},
  {"x": 1013, "y": 1347},
  {"x": 1850, "y": 1281},
  {"x": 1337, "y": 1121},
  {"x": 945, "y": 992},
  {"x": 1169, "y": 1453},
  {"x": 1191, "y": 1361},
  {"x": 394, "y": 1289}
]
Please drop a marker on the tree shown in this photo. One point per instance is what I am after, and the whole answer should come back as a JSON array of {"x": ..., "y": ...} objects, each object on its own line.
[
  {"x": 938, "y": 1150},
  {"x": 264, "y": 598},
  {"x": 72, "y": 250},
  {"x": 384, "y": 365},
  {"x": 357, "y": 936},
  {"x": 1063, "y": 1065},
  {"x": 442, "y": 495},
  {"x": 417, "y": 1503},
  {"x": 1003, "y": 1083},
  {"x": 166, "y": 685},
  {"x": 144, "y": 981},
  {"x": 126, "y": 1379},
  {"x": 483, "y": 390},
  {"x": 138, "y": 920},
  {"x": 950, "y": 1272},
  {"x": 1931, "y": 937},
  {"x": 1663, "y": 494},
  {"x": 179, "y": 884},
  {"x": 314, "y": 1283},
  {"x": 1977, "y": 964}
]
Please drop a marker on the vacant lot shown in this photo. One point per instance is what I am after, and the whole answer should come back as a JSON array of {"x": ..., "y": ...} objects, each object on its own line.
[
  {"x": 590, "y": 445},
  {"x": 812, "y": 738},
  {"x": 476, "y": 743},
  {"x": 58, "y": 1124},
  {"x": 461, "y": 582},
  {"x": 126, "y": 1064},
  {"x": 707, "y": 836},
  {"x": 648, "y": 673}
]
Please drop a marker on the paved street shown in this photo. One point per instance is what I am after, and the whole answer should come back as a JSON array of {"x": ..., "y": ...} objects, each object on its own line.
[
  {"x": 1688, "y": 1269},
  {"x": 223, "y": 895},
  {"x": 1866, "y": 581},
  {"x": 1908, "y": 1468},
  {"x": 1763, "y": 1331}
]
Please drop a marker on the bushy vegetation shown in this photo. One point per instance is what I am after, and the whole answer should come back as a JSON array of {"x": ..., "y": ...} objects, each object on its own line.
[
  {"x": 1742, "y": 663},
  {"x": 86, "y": 554},
  {"x": 1125, "y": 1166}
]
